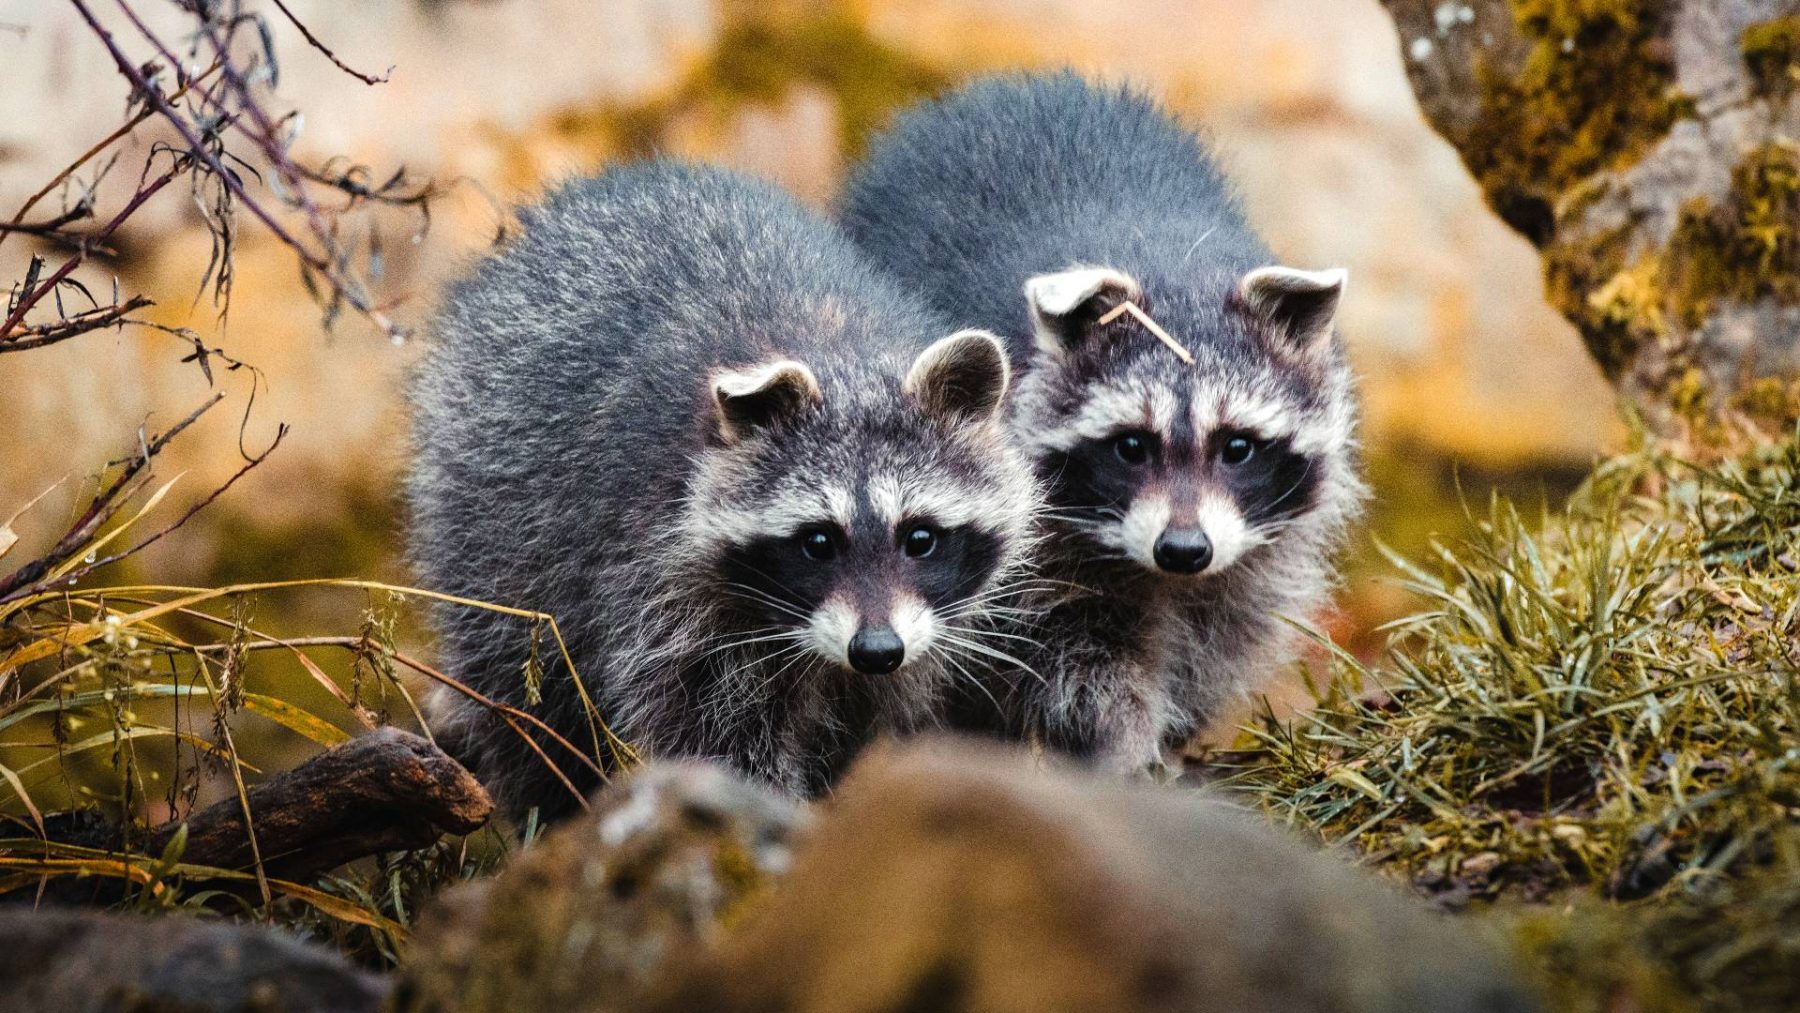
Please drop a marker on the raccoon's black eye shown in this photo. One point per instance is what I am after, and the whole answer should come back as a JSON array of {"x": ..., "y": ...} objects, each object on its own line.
[
  {"x": 1132, "y": 448},
  {"x": 919, "y": 542},
  {"x": 1237, "y": 450},
  {"x": 817, "y": 545}
]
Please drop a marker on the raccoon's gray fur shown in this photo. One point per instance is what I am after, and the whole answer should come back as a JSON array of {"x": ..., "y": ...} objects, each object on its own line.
[
  {"x": 1034, "y": 205},
  {"x": 680, "y": 414}
]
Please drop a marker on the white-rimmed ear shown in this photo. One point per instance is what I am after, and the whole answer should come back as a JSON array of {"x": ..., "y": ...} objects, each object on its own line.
[
  {"x": 1298, "y": 306},
  {"x": 960, "y": 378},
  {"x": 757, "y": 396},
  {"x": 1064, "y": 305}
]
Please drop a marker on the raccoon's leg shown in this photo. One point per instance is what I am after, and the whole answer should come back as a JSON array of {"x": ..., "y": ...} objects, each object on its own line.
[
  {"x": 1131, "y": 729},
  {"x": 1112, "y": 717}
]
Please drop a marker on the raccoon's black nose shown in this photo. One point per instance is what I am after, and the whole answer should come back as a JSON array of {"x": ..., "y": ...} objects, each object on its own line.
[
  {"x": 876, "y": 652},
  {"x": 1183, "y": 550}
]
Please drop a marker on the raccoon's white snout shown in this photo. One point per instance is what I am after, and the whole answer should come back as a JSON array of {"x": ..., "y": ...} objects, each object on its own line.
[
  {"x": 1215, "y": 538},
  {"x": 1226, "y": 529},
  {"x": 872, "y": 645}
]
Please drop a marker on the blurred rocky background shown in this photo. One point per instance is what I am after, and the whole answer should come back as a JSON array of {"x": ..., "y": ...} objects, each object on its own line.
[{"x": 1472, "y": 381}]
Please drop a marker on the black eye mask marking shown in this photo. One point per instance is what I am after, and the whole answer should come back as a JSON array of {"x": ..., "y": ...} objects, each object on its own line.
[
  {"x": 1092, "y": 476},
  {"x": 781, "y": 569},
  {"x": 958, "y": 565},
  {"x": 1270, "y": 480},
  {"x": 794, "y": 572}
]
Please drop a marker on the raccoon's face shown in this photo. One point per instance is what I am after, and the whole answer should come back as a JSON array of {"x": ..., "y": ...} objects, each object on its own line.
[
  {"x": 1187, "y": 468},
  {"x": 862, "y": 526}
]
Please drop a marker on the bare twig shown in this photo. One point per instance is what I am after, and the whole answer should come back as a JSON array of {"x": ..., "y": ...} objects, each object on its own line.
[
  {"x": 197, "y": 148},
  {"x": 106, "y": 142},
  {"x": 329, "y": 55},
  {"x": 87, "y": 568},
  {"x": 1151, "y": 325},
  {"x": 33, "y": 295},
  {"x": 87, "y": 322},
  {"x": 105, "y": 504}
]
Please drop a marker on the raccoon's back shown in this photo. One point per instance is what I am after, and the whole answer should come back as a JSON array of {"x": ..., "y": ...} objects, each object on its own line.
[
  {"x": 966, "y": 197},
  {"x": 622, "y": 292},
  {"x": 559, "y": 411}
]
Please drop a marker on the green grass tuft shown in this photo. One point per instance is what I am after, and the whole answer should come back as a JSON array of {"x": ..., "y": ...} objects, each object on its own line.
[{"x": 1606, "y": 711}]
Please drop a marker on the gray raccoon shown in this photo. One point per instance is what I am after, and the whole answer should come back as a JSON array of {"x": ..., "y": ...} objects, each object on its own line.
[
  {"x": 1192, "y": 506},
  {"x": 683, "y": 416}
]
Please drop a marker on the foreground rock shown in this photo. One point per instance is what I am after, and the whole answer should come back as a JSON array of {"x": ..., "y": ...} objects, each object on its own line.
[
  {"x": 957, "y": 878},
  {"x": 86, "y": 962},
  {"x": 583, "y": 919}
]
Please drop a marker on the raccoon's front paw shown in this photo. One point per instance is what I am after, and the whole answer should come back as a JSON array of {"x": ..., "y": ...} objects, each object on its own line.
[
  {"x": 1159, "y": 771},
  {"x": 1137, "y": 767}
]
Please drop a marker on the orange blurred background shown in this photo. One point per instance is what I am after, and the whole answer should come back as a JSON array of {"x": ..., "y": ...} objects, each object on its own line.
[{"x": 1470, "y": 378}]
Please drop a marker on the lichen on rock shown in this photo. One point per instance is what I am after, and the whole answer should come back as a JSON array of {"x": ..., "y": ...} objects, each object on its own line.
[
  {"x": 1595, "y": 89},
  {"x": 1647, "y": 148},
  {"x": 1772, "y": 52},
  {"x": 666, "y": 860}
]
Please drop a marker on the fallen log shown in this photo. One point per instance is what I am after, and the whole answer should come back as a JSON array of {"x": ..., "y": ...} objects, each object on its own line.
[{"x": 386, "y": 791}]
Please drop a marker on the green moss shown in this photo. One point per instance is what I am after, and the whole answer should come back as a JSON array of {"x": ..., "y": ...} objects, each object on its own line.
[
  {"x": 1689, "y": 395},
  {"x": 1745, "y": 249},
  {"x": 1730, "y": 947},
  {"x": 1772, "y": 52},
  {"x": 1770, "y": 397},
  {"x": 763, "y": 52},
  {"x": 1594, "y": 284},
  {"x": 1742, "y": 249},
  {"x": 1593, "y": 959},
  {"x": 1595, "y": 90}
]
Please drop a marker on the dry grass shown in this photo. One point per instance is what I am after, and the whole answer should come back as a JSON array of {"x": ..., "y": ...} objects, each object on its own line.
[
  {"x": 128, "y": 702},
  {"x": 123, "y": 707},
  {"x": 1606, "y": 710}
]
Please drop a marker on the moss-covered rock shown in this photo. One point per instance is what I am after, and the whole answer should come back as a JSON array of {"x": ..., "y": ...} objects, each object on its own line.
[
  {"x": 1594, "y": 90},
  {"x": 1772, "y": 52},
  {"x": 89, "y": 961},
  {"x": 1729, "y": 946},
  {"x": 664, "y": 862},
  {"x": 948, "y": 877},
  {"x": 1747, "y": 247},
  {"x": 1647, "y": 148}
]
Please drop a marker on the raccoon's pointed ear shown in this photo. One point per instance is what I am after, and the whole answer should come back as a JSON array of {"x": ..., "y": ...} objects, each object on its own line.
[
  {"x": 748, "y": 399},
  {"x": 1065, "y": 305},
  {"x": 1299, "y": 306},
  {"x": 960, "y": 378}
]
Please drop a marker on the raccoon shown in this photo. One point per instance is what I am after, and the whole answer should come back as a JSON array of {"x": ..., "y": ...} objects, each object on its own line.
[
  {"x": 1193, "y": 505},
  {"x": 683, "y": 416}
]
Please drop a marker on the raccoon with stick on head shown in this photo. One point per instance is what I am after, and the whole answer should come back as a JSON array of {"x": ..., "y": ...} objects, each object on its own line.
[
  {"x": 684, "y": 417},
  {"x": 1197, "y": 493}
]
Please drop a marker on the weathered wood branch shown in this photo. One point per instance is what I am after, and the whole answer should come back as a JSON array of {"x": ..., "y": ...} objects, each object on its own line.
[
  {"x": 1651, "y": 150},
  {"x": 386, "y": 791}
]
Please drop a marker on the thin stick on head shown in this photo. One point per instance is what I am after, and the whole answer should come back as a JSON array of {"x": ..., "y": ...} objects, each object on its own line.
[{"x": 1151, "y": 325}]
